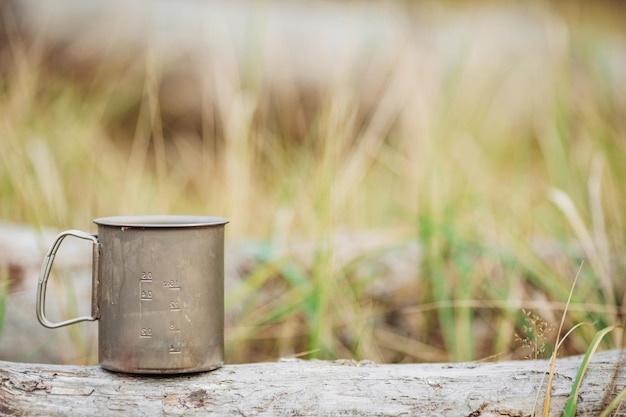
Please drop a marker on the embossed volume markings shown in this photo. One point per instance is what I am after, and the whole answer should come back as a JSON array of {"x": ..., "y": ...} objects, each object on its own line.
[
  {"x": 165, "y": 296},
  {"x": 173, "y": 289},
  {"x": 145, "y": 296}
]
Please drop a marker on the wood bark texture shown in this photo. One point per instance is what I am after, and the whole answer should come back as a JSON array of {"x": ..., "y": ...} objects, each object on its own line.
[{"x": 297, "y": 387}]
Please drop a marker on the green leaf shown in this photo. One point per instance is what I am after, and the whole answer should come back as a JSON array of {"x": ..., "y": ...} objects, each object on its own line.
[{"x": 570, "y": 406}]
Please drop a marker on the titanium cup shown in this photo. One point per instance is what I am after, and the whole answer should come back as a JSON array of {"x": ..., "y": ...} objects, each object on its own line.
[{"x": 157, "y": 292}]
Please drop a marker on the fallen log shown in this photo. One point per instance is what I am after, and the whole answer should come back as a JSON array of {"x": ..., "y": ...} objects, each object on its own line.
[{"x": 298, "y": 387}]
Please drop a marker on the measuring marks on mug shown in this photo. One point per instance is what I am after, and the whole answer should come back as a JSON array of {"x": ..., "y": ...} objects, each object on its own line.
[
  {"x": 174, "y": 314},
  {"x": 159, "y": 296}
]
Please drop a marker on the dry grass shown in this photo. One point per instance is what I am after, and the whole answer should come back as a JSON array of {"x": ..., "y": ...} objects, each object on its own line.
[{"x": 495, "y": 139}]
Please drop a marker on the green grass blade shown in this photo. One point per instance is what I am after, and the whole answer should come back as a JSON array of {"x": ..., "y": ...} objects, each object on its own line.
[{"x": 570, "y": 406}]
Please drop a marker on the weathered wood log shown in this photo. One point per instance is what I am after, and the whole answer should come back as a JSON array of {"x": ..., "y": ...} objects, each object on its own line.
[{"x": 297, "y": 387}]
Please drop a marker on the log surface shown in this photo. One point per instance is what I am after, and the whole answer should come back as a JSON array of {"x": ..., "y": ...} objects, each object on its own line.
[{"x": 297, "y": 387}]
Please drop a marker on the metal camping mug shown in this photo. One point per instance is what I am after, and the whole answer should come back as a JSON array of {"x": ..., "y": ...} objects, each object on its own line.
[{"x": 157, "y": 292}]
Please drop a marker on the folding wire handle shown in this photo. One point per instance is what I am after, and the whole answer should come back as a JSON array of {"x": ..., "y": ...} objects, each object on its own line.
[{"x": 45, "y": 272}]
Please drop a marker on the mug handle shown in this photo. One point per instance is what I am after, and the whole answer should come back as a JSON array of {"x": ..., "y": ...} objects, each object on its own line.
[{"x": 45, "y": 272}]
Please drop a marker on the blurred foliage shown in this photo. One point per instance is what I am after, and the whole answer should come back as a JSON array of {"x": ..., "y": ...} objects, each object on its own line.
[{"x": 493, "y": 135}]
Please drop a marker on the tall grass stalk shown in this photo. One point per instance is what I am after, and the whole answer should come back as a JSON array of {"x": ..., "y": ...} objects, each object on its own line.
[
  {"x": 570, "y": 406},
  {"x": 557, "y": 344}
]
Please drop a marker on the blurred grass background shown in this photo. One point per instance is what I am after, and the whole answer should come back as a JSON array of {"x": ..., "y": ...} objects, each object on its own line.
[{"x": 490, "y": 137}]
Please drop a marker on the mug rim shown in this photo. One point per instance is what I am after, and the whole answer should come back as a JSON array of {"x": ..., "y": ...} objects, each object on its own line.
[{"x": 161, "y": 220}]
